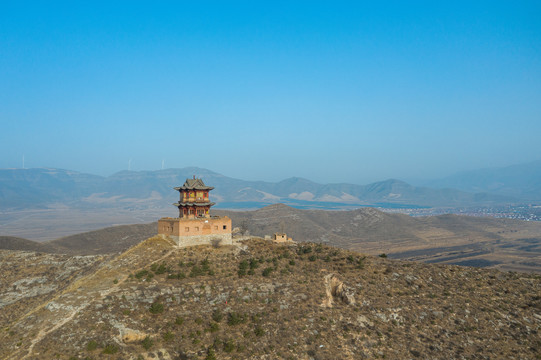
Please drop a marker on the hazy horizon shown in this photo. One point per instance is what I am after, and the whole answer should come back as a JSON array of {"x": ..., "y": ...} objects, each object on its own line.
[{"x": 334, "y": 93}]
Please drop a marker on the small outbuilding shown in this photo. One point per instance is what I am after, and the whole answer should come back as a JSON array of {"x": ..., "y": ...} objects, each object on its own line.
[{"x": 281, "y": 237}]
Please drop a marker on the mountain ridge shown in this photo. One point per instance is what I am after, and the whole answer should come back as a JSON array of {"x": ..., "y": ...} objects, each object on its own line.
[
  {"x": 519, "y": 180},
  {"x": 25, "y": 188}
]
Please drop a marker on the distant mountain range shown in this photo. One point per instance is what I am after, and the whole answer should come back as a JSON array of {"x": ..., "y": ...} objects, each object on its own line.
[
  {"x": 45, "y": 187},
  {"x": 522, "y": 181}
]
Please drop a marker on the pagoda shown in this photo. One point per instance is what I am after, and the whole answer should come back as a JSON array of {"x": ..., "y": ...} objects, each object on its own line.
[
  {"x": 194, "y": 199},
  {"x": 194, "y": 224}
]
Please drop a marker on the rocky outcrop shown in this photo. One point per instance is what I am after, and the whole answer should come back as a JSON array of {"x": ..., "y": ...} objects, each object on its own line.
[{"x": 336, "y": 289}]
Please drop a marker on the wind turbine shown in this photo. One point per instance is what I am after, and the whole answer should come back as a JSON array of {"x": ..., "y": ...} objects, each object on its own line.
[
  {"x": 23, "y": 161},
  {"x": 163, "y": 163},
  {"x": 129, "y": 165}
]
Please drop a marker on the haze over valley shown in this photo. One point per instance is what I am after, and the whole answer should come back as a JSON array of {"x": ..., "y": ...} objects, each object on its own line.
[{"x": 62, "y": 202}]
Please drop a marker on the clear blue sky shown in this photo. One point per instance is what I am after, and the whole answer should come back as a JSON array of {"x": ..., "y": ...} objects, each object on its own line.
[{"x": 331, "y": 91}]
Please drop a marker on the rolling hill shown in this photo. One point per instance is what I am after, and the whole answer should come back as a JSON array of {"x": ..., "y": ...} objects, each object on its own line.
[
  {"x": 502, "y": 243},
  {"x": 20, "y": 244}
]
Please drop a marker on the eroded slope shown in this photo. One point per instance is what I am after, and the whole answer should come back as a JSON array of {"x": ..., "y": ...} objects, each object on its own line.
[{"x": 260, "y": 300}]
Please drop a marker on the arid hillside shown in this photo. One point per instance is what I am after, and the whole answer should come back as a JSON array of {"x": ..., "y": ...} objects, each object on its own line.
[
  {"x": 261, "y": 300},
  {"x": 485, "y": 242},
  {"x": 16, "y": 243},
  {"x": 502, "y": 243}
]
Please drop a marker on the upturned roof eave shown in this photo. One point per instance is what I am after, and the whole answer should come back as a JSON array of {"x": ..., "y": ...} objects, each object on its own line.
[{"x": 179, "y": 204}]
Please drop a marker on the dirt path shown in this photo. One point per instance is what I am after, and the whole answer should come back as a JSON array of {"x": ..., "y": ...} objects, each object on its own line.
[{"x": 94, "y": 287}]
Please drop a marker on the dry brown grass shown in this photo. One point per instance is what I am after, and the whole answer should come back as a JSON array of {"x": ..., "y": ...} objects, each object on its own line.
[{"x": 402, "y": 309}]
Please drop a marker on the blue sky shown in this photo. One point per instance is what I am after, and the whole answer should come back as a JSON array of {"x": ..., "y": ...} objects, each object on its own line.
[{"x": 331, "y": 91}]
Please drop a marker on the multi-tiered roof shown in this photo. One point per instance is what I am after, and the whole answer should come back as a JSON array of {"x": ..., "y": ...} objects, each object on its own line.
[{"x": 194, "y": 199}]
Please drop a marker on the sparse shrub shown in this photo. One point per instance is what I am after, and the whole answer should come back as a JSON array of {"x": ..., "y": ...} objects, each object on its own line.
[
  {"x": 254, "y": 264},
  {"x": 168, "y": 336},
  {"x": 196, "y": 271},
  {"x": 156, "y": 308},
  {"x": 214, "y": 327},
  {"x": 235, "y": 319},
  {"x": 210, "y": 354},
  {"x": 141, "y": 274},
  {"x": 217, "y": 315},
  {"x": 160, "y": 269},
  {"x": 179, "y": 320},
  {"x": 229, "y": 346},
  {"x": 267, "y": 271},
  {"x": 147, "y": 343},
  {"x": 360, "y": 263},
  {"x": 383, "y": 255},
  {"x": 292, "y": 262},
  {"x": 115, "y": 281},
  {"x": 243, "y": 266},
  {"x": 92, "y": 345},
  {"x": 312, "y": 258},
  {"x": 304, "y": 249},
  {"x": 179, "y": 276},
  {"x": 110, "y": 349},
  {"x": 258, "y": 331},
  {"x": 205, "y": 266}
]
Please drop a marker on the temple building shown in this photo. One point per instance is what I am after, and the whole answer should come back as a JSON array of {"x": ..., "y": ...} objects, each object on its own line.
[
  {"x": 194, "y": 199},
  {"x": 195, "y": 225}
]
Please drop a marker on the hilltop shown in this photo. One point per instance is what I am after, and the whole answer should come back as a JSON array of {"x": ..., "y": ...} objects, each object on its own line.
[{"x": 261, "y": 300}]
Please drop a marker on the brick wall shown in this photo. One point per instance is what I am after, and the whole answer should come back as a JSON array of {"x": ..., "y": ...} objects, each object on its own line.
[{"x": 195, "y": 231}]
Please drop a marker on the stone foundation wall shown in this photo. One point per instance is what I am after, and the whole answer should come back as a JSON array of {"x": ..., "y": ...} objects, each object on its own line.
[
  {"x": 213, "y": 239},
  {"x": 190, "y": 232}
]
